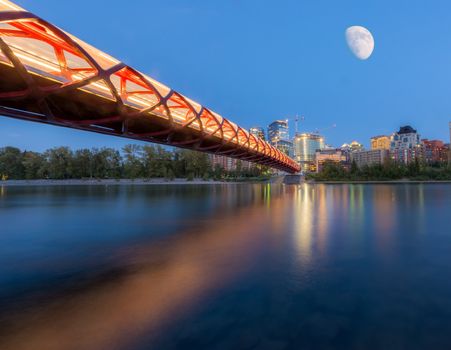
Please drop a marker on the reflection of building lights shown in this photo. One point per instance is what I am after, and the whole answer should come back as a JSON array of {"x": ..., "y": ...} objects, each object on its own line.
[
  {"x": 303, "y": 221},
  {"x": 267, "y": 194}
]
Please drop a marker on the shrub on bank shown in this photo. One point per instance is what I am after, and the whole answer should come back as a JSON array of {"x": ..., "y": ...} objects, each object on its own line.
[{"x": 386, "y": 172}]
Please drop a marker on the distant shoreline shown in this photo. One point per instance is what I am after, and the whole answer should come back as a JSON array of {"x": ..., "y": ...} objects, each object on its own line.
[
  {"x": 160, "y": 182},
  {"x": 112, "y": 182},
  {"x": 381, "y": 182}
]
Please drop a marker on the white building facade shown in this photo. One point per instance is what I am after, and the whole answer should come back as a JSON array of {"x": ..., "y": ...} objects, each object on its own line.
[{"x": 405, "y": 145}]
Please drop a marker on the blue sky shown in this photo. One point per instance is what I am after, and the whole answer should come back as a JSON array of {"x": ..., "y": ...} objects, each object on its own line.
[{"x": 255, "y": 61}]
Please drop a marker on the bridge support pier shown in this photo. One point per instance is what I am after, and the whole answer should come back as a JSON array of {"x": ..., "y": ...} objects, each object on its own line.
[{"x": 293, "y": 179}]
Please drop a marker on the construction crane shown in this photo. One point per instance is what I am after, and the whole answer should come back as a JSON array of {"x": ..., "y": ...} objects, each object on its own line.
[
  {"x": 299, "y": 118},
  {"x": 318, "y": 131},
  {"x": 296, "y": 120}
]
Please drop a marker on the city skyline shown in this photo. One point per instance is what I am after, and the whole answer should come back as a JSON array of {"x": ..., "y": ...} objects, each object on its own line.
[
  {"x": 405, "y": 79},
  {"x": 366, "y": 144}
]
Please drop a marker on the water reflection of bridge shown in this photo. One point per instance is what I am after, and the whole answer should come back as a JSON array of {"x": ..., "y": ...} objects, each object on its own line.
[{"x": 50, "y": 76}]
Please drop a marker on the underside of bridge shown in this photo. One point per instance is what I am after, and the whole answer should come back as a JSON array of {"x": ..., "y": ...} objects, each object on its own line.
[{"x": 50, "y": 76}]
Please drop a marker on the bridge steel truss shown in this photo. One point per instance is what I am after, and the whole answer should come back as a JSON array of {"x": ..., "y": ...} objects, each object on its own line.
[{"x": 50, "y": 76}]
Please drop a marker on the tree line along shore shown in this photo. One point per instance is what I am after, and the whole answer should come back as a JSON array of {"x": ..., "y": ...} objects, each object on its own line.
[
  {"x": 389, "y": 171},
  {"x": 157, "y": 162},
  {"x": 132, "y": 162}
]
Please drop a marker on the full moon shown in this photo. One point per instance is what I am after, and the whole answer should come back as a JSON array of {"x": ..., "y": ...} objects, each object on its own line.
[{"x": 360, "y": 41}]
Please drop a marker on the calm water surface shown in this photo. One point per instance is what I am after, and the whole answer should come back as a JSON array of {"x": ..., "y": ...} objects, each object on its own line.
[{"x": 225, "y": 267}]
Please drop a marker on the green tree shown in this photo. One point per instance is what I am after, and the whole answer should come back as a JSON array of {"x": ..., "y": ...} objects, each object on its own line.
[
  {"x": 83, "y": 163},
  {"x": 191, "y": 164},
  {"x": 107, "y": 163},
  {"x": 11, "y": 163},
  {"x": 170, "y": 175},
  {"x": 157, "y": 161},
  {"x": 239, "y": 169},
  {"x": 133, "y": 166},
  {"x": 218, "y": 172},
  {"x": 59, "y": 163},
  {"x": 413, "y": 168},
  {"x": 354, "y": 169},
  {"x": 34, "y": 165}
]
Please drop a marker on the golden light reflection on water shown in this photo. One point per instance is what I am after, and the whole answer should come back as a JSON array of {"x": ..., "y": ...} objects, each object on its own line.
[
  {"x": 162, "y": 282},
  {"x": 303, "y": 220},
  {"x": 318, "y": 208},
  {"x": 356, "y": 206},
  {"x": 384, "y": 207},
  {"x": 324, "y": 213},
  {"x": 267, "y": 195},
  {"x": 311, "y": 216},
  {"x": 421, "y": 211}
]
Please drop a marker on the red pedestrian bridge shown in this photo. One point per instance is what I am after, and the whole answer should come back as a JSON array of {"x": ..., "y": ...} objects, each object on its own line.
[{"x": 50, "y": 76}]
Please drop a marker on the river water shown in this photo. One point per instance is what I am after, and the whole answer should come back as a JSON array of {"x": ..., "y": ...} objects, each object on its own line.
[{"x": 225, "y": 267}]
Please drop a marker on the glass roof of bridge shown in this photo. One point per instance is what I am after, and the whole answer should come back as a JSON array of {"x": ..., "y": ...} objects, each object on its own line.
[{"x": 48, "y": 51}]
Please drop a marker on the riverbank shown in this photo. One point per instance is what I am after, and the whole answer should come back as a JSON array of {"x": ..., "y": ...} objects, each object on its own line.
[
  {"x": 375, "y": 182},
  {"x": 109, "y": 182},
  {"x": 160, "y": 182}
]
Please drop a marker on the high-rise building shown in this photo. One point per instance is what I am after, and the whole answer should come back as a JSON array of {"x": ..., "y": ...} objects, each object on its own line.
[
  {"x": 449, "y": 145},
  {"x": 380, "y": 142},
  {"x": 405, "y": 145},
  {"x": 258, "y": 132},
  {"x": 354, "y": 146},
  {"x": 227, "y": 163},
  {"x": 279, "y": 136},
  {"x": 371, "y": 157},
  {"x": 336, "y": 156},
  {"x": 285, "y": 147},
  {"x": 305, "y": 147},
  {"x": 224, "y": 162},
  {"x": 278, "y": 131},
  {"x": 434, "y": 151}
]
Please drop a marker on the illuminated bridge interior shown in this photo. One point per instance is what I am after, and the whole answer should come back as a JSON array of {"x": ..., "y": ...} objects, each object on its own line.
[{"x": 50, "y": 76}]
